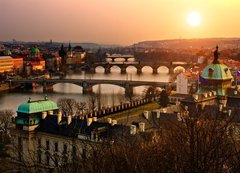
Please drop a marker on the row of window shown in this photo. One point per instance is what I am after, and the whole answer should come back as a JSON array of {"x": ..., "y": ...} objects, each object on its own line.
[{"x": 56, "y": 146}]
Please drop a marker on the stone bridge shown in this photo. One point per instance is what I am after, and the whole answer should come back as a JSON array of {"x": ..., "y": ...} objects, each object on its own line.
[
  {"x": 139, "y": 66},
  {"x": 87, "y": 84}
]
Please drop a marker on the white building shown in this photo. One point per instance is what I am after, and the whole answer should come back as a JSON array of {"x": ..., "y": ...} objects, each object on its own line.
[{"x": 186, "y": 81}]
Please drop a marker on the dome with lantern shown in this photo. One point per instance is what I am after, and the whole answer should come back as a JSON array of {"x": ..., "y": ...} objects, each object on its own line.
[{"x": 215, "y": 77}]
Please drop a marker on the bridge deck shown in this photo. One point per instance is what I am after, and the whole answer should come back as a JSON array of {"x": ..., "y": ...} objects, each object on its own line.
[{"x": 93, "y": 82}]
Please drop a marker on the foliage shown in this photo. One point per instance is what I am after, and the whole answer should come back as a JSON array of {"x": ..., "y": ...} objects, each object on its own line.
[
  {"x": 164, "y": 100},
  {"x": 69, "y": 106}
]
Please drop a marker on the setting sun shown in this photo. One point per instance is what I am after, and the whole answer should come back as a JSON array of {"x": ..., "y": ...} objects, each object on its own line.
[{"x": 194, "y": 19}]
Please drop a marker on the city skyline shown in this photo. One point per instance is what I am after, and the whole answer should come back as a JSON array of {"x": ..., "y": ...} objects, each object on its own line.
[{"x": 116, "y": 22}]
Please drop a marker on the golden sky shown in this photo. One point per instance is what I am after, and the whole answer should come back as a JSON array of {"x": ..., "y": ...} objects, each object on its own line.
[{"x": 116, "y": 21}]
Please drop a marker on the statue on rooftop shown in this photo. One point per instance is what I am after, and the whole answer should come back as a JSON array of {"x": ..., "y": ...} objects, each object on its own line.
[{"x": 216, "y": 56}]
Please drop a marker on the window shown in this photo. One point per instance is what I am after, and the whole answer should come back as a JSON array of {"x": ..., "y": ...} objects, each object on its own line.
[
  {"x": 64, "y": 148},
  {"x": 39, "y": 143},
  {"x": 39, "y": 156},
  {"x": 84, "y": 153},
  {"x": 47, "y": 145},
  {"x": 210, "y": 72},
  {"x": 56, "y": 146},
  {"x": 47, "y": 159}
]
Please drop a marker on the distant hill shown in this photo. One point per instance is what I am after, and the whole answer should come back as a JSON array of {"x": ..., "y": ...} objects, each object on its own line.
[
  {"x": 95, "y": 45},
  {"x": 191, "y": 43}
]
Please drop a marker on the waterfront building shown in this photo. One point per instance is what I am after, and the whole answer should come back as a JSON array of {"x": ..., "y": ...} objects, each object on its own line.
[
  {"x": 43, "y": 138},
  {"x": 34, "y": 60},
  {"x": 75, "y": 56},
  {"x": 17, "y": 64},
  {"x": 6, "y": 64}
]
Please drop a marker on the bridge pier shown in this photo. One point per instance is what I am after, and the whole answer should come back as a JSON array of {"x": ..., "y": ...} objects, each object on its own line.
[
  {"x": 92, "y": 70},
  {"x": 107, "y": 70},
  {"x": 155, "y": 71},
  {"x": 87, "y": 89},
  {"x": 128, "y": 90},
  {"x": 123, "y": 70},
  {"x": 47, "y": 88},
  {"x": 28, "y": 86},
  {"x": 171, "y": 70},
  {"x": 139, "y": 70}
]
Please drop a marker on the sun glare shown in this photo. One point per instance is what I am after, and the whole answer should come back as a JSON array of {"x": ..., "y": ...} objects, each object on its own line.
[{"x": 194, "y": 19}]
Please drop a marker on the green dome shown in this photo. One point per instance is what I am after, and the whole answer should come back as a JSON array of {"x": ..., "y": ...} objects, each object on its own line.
[
  {"x": 35, "y": 50},
  {"x": 37, "y": 106},
  {"x": 217, "y": 72},
  {"x": 7, "y": 52}
]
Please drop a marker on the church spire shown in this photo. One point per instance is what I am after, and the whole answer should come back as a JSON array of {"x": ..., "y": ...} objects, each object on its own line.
[{"x": 69, "y": 48}]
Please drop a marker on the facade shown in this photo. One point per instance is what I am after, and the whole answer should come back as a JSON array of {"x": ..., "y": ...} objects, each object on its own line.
[
  {"x": 216, "y": 77},
  {"x": 215, "y": 87},
  {"x": 186, "y": 82},
  {"x": 34, "y": 61},
  {"x": 17, "y": 64},
  {"x": 75, "y": 56},
  {"x": 44, "y": 139},
  {"x": 6, "y": 64}
]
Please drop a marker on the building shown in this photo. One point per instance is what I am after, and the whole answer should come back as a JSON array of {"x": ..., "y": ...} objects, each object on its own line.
[
  {"x": 6, "y": 64},
  {"x": 17, "y": 64},
  {"x": 187, "y": 82},
  {"x": 44, "y": 138},
  {"x": 34, "y": 61},
  {"x": 75, "y": 56},
  {"x": 215, "y": 87}
]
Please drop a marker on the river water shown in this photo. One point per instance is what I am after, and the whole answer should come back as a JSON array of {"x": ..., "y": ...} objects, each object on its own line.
[{"x": 111, "y": 94}]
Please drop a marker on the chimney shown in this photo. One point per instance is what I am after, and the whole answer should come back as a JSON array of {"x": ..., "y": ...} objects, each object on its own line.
[
  {"x": 59, "y": 117},
  {"x": 114, "y": 122},
  {"x": 89, "y": 121},
  {"x": 69, "y": 119},
  {"x": 195, "y": 96},
  {"x": 229, "y": 112},
  {"x": 158, "y": 113},
  {"x": 146, "y": 114},
  {"x": 142, "y": 127},
  {"x": 179, "y": 118},
  {"x": 50, "y": 112},
  {"x": 94, "y": 119},
  {"x": 220, "y": 107},
  {"x": 44, "y": 115},
  {"x": 133, "y": 129},
  {"x": 109, "y": 120}
]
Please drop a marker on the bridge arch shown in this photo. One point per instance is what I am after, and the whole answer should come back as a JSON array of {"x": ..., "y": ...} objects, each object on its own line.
[
  {"x": 163, "y": 69},
  {"x": 115, "y": 69},
  {"x": 100, "y": 69},
  {"x": 147, "y": 69},
  {"x": 131, "y": 69},
  {"x": 178, "y": 69},
  {"x": 68, "y": 87}
]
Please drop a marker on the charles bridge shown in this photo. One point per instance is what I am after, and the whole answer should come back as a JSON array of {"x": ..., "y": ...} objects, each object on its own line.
[
  {"x": 123, "y": 65},
  {"x": 86, "y": 84}
]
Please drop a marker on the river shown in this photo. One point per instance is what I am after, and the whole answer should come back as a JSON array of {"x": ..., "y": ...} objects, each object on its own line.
[{"x": 111, "y": 94}]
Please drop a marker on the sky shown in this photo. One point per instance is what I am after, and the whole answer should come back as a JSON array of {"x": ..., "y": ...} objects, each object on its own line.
[{"x": 116, "y": 21}]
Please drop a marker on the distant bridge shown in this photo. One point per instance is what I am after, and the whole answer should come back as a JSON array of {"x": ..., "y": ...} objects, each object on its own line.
[
  {"x": 139, "y": 66},
  {"x": 87, "y": 84}
]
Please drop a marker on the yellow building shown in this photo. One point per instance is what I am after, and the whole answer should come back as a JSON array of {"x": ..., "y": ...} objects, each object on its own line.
[{"x": 6, "y": 64}]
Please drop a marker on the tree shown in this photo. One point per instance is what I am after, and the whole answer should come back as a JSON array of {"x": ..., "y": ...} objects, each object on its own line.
[
  {"x": 67, "y": 106},
  {"x": 164, "y": 100},
  {"x": 151, "y": 92},
  {"x": 5, "y": 124}
]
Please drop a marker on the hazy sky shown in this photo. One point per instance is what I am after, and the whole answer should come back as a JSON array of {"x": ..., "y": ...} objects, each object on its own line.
[{"x": 116, "y": 21}]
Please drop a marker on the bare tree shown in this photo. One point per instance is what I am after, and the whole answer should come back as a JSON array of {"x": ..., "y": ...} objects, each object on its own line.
[
  {"x": 67, "y": 106},
  {"x": 92, "y": 102}
]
